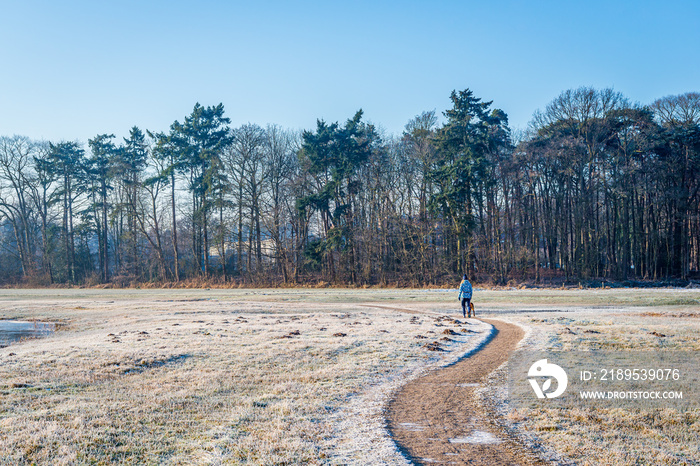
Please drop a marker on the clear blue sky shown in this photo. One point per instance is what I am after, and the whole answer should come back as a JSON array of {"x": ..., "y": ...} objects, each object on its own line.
[{"x": 74, "y": 69}]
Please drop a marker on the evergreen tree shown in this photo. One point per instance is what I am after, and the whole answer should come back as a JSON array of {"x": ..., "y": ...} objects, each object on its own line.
[
  {"x": 66, "y": 160},
  {"x": 100, "y": 170},
  {"x": 200, "y": 140},
  {"x": 332, "y": 155},
  {"x": 462, "y": 144}
]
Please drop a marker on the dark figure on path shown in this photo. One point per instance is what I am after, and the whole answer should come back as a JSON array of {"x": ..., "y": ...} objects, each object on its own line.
[{"x": 465, "y": 295}]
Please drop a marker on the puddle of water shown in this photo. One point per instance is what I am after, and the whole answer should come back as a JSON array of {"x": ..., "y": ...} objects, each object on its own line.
[
  {"x": 410, "y": 426},
  {"x": 478, "y": 437},
  {"x": 13, "y": 330}
]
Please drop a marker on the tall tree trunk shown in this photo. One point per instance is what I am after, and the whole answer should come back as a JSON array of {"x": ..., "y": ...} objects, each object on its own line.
[
  {"x": 223, "y": 236},
  {"x": 205, "y": 218},
  {"x": 105, "y": 247},
  {"x": 174, "y": 217}
]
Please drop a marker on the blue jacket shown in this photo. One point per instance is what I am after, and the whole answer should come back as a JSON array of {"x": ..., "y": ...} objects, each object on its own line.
[{"x": 465, "y": 290}]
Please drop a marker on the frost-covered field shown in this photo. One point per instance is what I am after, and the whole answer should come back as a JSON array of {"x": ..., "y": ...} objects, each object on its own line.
[
  {"x": 615, "y": 435},
  {"x": 187, "y": 377},
  {"x": 297, "y": 376}
]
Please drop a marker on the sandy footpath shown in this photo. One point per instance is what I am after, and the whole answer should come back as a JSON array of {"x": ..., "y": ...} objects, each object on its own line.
[
  {"x": 437, "y": 418},
  {"x": 361, "y": 434}
]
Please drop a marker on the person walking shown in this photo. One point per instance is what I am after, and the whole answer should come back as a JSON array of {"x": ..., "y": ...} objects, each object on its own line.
[{"x": 465, "y": 295}]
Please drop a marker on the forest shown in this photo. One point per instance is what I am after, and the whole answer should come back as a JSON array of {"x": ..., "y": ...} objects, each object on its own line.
[{"x": 596, "y": 188}]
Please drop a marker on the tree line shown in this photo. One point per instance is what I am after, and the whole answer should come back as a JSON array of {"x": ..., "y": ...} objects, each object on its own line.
[{"x": 596, "y": 188}]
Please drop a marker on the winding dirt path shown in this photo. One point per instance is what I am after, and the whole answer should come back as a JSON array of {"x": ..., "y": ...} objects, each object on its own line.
[{"x": 437, "y": 419}]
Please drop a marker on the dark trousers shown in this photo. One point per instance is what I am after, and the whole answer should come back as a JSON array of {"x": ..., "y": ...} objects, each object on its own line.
[{"x": 466, "y": 306}]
